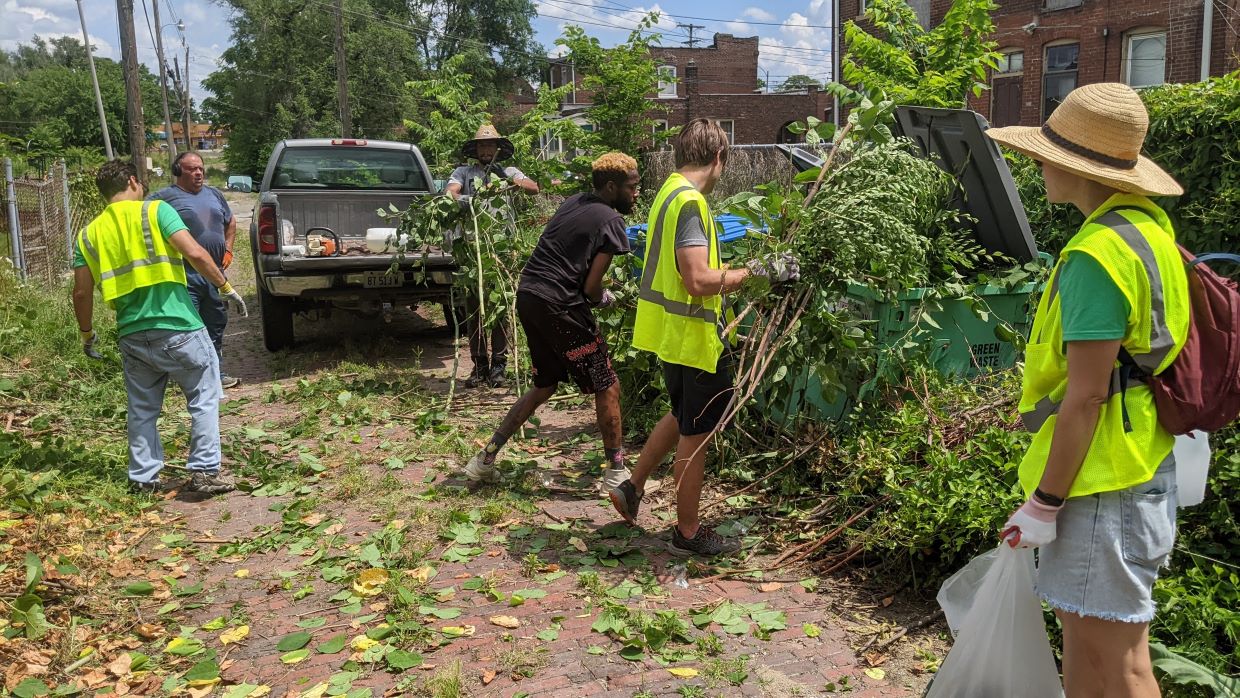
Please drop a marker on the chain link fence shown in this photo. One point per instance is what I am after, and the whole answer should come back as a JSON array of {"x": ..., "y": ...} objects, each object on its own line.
[{"x": 41, "y": 217}]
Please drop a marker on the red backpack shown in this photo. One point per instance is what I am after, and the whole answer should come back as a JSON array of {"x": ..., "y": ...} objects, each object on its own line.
[{"x": 1201, "y": 388}]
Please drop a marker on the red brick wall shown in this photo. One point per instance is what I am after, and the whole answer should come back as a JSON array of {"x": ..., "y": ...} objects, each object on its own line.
[
  {"x": 1101, "y": 28},
  {"x": 720, "y": 81},
  {"x": 757, "y": 117},
  {"x": 730, "y": 66}
]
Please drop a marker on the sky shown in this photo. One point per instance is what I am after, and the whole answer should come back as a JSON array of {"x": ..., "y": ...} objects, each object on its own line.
[{"x": 794, "y": 35}]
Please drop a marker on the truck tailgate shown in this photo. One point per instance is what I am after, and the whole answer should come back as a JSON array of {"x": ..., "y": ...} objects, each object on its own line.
[{"x": 348, "y": 214}]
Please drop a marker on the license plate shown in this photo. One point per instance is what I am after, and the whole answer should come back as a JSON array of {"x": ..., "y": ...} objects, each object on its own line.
[{"x": 379, "y": 279}]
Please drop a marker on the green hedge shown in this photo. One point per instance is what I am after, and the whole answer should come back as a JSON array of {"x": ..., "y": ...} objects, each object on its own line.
[{"x": 1193, "y": 136}]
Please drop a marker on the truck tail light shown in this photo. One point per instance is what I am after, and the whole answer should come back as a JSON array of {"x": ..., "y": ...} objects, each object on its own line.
[
  {"x": 268, "y": 239},
  {"x": 348, "y": 141}
]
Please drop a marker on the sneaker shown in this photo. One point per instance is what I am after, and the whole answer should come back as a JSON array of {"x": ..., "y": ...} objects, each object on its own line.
[
  {"x": 497, "y": 377},
  {"x": 210, "y": 483},
  {"x": 479, "y": 470},
  {"x": 478, "y": 376},
  {"x": 706, "y": 543},
  {"x": 155, "y": 486},
  {"x": 627, "y": 500},
  {"x": 229, "y": 381}
]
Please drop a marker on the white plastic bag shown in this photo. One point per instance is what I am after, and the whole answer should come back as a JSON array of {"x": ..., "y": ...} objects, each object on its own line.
[
  {"x": 1192, "y": 466},
  {"x": 1001, "y": 648}
]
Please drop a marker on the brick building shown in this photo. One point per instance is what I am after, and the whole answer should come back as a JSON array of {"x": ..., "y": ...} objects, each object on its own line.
[
  {"x": 718, "y": 82},
  {"x": 1053, "y": 46}
]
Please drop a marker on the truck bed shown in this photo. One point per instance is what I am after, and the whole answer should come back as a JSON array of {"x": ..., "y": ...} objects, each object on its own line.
[{"x": 348, "y": 214}]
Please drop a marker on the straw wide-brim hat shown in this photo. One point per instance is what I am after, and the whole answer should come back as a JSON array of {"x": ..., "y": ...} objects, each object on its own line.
[
  {"x": 1096, "y": 133},
  {"x": 487, "y": 132}
]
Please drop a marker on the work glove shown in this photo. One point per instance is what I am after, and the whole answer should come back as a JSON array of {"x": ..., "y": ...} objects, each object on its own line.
[
  {"x": 1032, "y": 525},
  {"x": 228, "y": 257},
  {"x": 230, "y": 295},
  {"x": 88, "y": 344},
  {"x": 775, "y": 268},
  {"x": 607, "y": 299}
]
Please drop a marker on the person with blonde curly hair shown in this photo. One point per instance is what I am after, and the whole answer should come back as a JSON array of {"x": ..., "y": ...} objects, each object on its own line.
[{"x": 560, "y": 284}]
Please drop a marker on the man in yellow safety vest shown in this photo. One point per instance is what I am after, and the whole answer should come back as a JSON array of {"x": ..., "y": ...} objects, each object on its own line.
[
  {"x": 681, "y": 317},
  {"x": 135, "y": 252}
]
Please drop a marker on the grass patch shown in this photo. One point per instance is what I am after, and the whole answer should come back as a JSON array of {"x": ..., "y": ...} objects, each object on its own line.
[{"x": 522, "y": 662}]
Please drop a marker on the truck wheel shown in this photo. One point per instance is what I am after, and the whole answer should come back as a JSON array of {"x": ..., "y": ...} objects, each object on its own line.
[{"x": 277, "y": 315}]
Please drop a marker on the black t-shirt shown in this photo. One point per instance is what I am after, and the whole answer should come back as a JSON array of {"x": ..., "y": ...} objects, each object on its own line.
[{"x": 583, "y": 227}]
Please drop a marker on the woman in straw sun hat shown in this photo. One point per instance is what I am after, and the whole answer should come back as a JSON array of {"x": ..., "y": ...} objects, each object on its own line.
[{"x": 1099, "y": 476}]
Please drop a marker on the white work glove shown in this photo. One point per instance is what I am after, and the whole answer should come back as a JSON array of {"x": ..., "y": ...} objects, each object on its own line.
[
  {"x": 88, "y": 344},
  {"x": 606, "y": 300},
  {"x": 775, "y": 268},
  {"x": 1032, "y": 525},
  {"x": 230, "y": 295}
]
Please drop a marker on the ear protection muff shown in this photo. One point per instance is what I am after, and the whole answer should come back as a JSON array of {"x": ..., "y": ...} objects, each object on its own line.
[{"x": 176, "y": 164}]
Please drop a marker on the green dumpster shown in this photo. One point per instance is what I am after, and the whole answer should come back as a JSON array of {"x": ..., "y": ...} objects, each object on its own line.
[{"x": 967, "y": 341}]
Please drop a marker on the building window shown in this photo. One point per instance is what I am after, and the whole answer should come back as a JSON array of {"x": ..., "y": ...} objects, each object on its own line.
[
  {"x": 660, "y": 127},
  {"x": 1058, "y": 75},
  {"x": 729, "y": 127},
  {"x": 1010, "y": 62},
  {"x": 667, "y": 81},
  {"x": 565, "y": 74},
  {"x": 1145, "y": 59},
  {"x": 1061, "y": 4}
]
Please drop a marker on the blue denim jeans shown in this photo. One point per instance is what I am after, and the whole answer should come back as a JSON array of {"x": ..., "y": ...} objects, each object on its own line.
[
  {"x": 1110, "y": 546},
  {"x": 211, "y": 308},
  {"x": 149, "y": 359}
]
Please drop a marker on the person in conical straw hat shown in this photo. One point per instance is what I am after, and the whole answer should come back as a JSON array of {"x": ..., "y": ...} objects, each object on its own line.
[
  {"x": 1099, "y": 476},
  {"x": 487, "y": 148}
]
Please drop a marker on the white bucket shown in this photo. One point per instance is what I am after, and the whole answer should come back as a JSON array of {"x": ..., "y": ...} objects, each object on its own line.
[
  {"x": 1192, "y": 465},
  {"x": 380, "y": 239}
]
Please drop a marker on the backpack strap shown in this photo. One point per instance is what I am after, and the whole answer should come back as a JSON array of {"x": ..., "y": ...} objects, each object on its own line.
[{"x": 1222, "y": 256}]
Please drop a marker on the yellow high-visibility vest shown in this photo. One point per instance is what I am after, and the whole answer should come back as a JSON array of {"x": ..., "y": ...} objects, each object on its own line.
[
  {"x": 680, "y": 328},
  {"x": 126, "y": 250},
  {"x": 1133, "y": 240}
]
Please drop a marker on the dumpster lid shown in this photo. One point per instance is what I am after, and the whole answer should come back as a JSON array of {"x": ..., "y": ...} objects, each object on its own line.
[{"x": 955, "y": 140}]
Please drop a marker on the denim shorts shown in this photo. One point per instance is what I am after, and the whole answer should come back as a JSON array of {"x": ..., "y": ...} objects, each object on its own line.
[{"x": 1109, "y": 547}]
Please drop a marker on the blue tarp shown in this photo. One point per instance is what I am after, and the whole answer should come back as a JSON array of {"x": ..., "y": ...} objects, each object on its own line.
[{"x": 731, "y": 227}]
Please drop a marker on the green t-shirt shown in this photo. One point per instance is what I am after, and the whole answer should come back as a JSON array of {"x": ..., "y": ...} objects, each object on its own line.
[
  {"x": 165, "y": 306},
  {"x": 1092, "y": 306}
]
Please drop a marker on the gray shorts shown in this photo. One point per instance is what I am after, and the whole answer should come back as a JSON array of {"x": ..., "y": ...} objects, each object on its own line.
[{"x": 1109, "y": 547}]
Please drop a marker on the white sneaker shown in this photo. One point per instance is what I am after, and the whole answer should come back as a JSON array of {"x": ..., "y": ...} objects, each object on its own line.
[
  {"x": 612, "y": 477},
  {"x": 478, "y": 470}
]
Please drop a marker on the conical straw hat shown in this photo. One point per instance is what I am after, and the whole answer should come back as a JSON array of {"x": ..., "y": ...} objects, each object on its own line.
[
  {"x": 1096, "y": 133},
  {"x": 487, "y": 132}
]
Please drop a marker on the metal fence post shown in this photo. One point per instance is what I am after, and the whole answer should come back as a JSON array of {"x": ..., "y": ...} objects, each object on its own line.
[
  {"x": 64, "y": 189},
  {"x": 14, "y": 229}
]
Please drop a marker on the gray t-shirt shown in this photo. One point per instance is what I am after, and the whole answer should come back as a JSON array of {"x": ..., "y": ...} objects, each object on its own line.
[
  {"x": 466, "y": 174},
  {"x": 689, "y": 229},
  {"x": 206, "y": 214}
]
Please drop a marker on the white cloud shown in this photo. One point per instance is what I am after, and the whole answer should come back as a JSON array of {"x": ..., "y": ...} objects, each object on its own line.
[
  {"x": 37, "y": 14},
  {"x": 606, "y": 21},
  {"x": 758, "y": 14}
]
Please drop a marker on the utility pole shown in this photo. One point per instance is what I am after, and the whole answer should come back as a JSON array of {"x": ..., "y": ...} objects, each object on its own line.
[
  {"x": 835, "y": 60},
  {"x": 94, "y": 79},
  {"x": 133, "y": 90},
  {"x": 342, "y": 74},
  {"x": 186, "y": 114},
  {"x": 163, "y": 85},
  {"x": 690, "y": 41}
]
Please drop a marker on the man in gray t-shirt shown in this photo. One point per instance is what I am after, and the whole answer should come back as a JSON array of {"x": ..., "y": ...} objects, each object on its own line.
[{"x": 487, "y": 149}]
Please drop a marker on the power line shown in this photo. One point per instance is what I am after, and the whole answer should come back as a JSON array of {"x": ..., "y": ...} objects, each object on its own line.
[
  {"x": 728, "y": 21},
  {"x": 690, "y": 27},
  {"x": 593, "y": 21}
]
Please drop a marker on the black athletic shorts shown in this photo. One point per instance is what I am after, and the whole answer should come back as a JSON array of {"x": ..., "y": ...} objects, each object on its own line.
[
  {"x": 699, "y": 399},
  {"x": 565, "y": 343}
]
